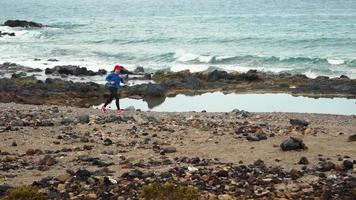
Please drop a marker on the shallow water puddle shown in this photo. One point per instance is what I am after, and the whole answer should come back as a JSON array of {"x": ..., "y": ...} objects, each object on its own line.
[{"x": 219, "y": 102}]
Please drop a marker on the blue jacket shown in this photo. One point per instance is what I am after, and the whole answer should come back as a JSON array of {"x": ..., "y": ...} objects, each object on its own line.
[{"x": 116, "y": 78}]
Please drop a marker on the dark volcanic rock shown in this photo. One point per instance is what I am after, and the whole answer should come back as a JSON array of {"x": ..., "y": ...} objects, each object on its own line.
[
  {"x": 73, "y": 70},
  {"x": 292, "y": 143},
  {"x": 298, "y": 122},
  {"x": 6, "y": 33},
  {"x": 15, "y": 68},
  {"x": 22, "y": 23}
]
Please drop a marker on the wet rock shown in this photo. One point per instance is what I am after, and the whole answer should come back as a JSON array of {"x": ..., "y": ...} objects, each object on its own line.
[
  {"x": 293, "y": 143},
  {"x": 154, "y": 90},
  {"x": 83, "y": 119},
  {"x": 52, "y": 60},
  {"x": 298, "y": 122},
  {"x": 6, "y": 33},
  {"x": 303, "y": 161},
  {"x": 22, "y": 23},
  {"x": 73, "y": 70}
]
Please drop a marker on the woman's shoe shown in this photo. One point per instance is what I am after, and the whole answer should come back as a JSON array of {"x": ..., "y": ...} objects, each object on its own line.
[
  {"x": 119, "y": 111},
  {"x": 103, "y": 109}
]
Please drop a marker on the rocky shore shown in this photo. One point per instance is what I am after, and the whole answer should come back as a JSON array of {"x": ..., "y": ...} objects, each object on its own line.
[
  {"x": 79, "y": 153},
  {"x": 56, "y": 91}
]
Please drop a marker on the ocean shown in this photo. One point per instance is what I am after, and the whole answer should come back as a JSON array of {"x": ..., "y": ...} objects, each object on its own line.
[{"x": 312, "y": 37}]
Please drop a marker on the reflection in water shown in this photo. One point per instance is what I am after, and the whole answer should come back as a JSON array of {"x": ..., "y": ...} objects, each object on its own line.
[
  {"x": 154, "y": 102},
  {"x": 219, "y": 102}
]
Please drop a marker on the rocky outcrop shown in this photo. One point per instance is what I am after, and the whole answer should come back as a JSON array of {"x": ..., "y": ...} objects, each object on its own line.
[
  {"x": 167, "y": 84},
  {"x": 53, "y": 91},
  {"x": 6, "y": 33},
  {"x": 73, "y": 70},
  {"x": 8, "y": 67},
  {"x": 22, "y": 23}
]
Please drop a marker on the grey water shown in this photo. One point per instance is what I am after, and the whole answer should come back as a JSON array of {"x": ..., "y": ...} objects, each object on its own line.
[
  {"x": 313, "y": 37},
  {"x": 219, "y": 102}
]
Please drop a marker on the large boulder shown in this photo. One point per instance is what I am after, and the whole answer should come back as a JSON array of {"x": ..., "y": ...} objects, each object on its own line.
[{"x": 22, "y": 23}]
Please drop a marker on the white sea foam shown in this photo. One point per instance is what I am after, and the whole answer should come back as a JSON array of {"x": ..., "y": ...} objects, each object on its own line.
[{"x": 335, "y": 61}]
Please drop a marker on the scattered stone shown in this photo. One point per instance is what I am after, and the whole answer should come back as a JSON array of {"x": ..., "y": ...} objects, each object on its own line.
[
  {"x": 255, "y": 137},
  {"x": 303, "y": 161},
  {"x": 348, "y": 164},
  {"x": 14, "y": 144},
  {"x": 298, "y": 122},
  {"x": 83, "y": 174},
  {"x": 108, "y": 142},
  {"x": 83, "y": 119},
  {"x": 169, "y": 150},
  {"x": 325, "y": 166},
  {"x": 293, "y": 143}
]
